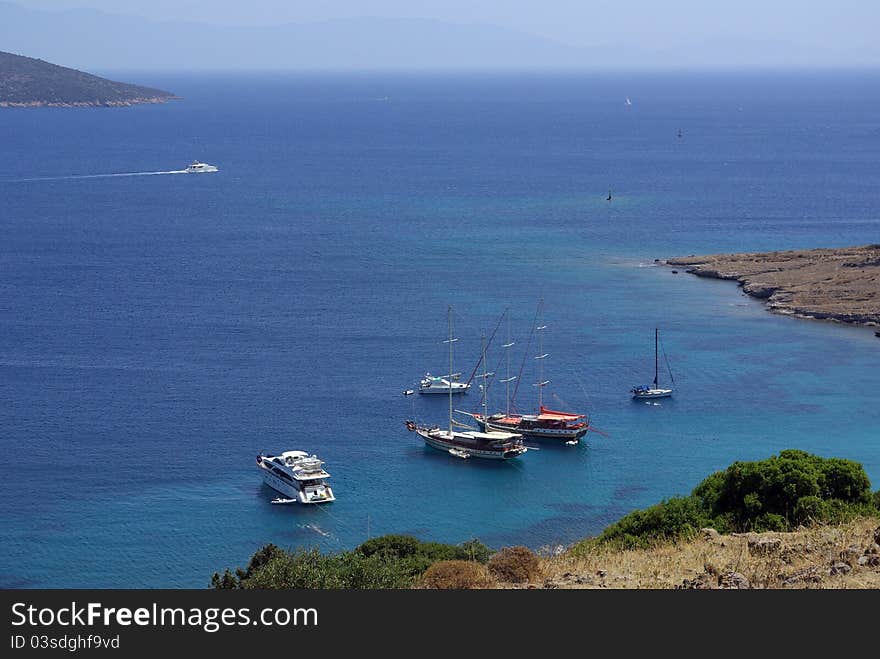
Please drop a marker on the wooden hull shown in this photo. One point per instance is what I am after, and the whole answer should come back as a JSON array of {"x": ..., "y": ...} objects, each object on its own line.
[
  {"x": 550, "y": 434},
  {"x": 442, "y": 442}
]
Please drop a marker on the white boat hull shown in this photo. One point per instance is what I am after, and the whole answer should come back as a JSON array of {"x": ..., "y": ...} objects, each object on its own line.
[
  {"x": 456, "y": 389},
  {"x": 653, "y": 393},
  {"x": 293, "y": 492}
]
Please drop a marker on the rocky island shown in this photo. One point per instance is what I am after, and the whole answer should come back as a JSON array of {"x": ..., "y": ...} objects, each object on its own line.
[
  {"x": 839, "y": 284},
  {"x": 28, "y": 82}
]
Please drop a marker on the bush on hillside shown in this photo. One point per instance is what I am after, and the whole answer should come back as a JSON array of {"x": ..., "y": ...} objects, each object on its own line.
[
  {"x": 784, "y": 491},
  {"x": 676, "y": 518},
  {"x": 311, "y": 569},
  {"x": 515, "y": 565},
  {"x": 456, "y": 575},
  {"x": 777, "y": 494},
  {"x": 392, "y": 561}
]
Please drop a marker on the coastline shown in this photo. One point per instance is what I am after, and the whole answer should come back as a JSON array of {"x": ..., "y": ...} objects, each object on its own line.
[
  {"x": 836, "y": 284},
  {"x": 141, "y": 100}
]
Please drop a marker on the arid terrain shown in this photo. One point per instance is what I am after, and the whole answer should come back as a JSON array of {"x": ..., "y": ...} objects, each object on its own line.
[
  {"x": 840, "y": 284},
  {"x": 846, "y": 556}
]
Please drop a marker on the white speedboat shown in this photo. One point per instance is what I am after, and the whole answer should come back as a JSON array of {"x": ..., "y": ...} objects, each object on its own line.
[
  {"x": 297, "y": 475},
  {"x": 199, "y": 168},
  {"x": 442, "y": 384}
]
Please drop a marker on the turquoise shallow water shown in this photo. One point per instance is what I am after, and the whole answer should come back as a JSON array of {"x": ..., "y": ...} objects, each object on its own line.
[{"x": 157, "y": 332}]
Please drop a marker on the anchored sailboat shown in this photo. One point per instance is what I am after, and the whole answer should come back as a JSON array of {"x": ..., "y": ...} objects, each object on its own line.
[
  {"x": 489, "y": 444},
  {"x": 654, "y": 390},
  {"x": 547, "y": 423}
]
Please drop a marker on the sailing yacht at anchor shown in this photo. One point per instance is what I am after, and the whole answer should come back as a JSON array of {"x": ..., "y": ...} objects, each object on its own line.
[
  {"x": 497, "y": 445},
  {"x": 654, "y": 390}
]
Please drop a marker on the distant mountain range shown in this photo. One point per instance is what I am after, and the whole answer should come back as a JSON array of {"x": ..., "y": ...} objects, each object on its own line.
[
  {"x": 28, "y": 82},
  {"x": 100, "y": 41}
]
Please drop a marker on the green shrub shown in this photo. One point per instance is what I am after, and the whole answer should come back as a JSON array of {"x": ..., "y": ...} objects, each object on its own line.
[
  {"x": 391, "y": 561},
  {"x": 810, "y": 509},
  {"x": 228, "y": 580},
  {"x": 776, "y": 494},
  {"x": 390, "y": 546},
  {"x": 456, "y": 575},
  {"x": 515, "y": 565},
  {"x": 312, "y": 570},
  {"x": 794, "y": 486},
  {"x": 673, "y": 519},
  {"x": 474, "y": 550}
]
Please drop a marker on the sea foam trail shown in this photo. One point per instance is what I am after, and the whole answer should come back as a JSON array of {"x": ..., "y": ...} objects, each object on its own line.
[{"x": 82, "y": 176}]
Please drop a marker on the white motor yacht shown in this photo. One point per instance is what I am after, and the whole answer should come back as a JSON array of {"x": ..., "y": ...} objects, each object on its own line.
[
  {"x": 442, "y": 384},
  {"x": 296, "y": 475}
]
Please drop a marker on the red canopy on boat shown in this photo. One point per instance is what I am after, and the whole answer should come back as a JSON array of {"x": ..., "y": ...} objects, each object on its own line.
[{"x": 552, "y": 415}]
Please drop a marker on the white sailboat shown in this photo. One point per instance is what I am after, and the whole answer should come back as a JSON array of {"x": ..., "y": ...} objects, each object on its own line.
[
  {"x": 654, "y": 390},
  {"x": 490, "y": 444}
]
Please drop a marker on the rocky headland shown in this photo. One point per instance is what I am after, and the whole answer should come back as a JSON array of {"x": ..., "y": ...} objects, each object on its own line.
[
  {"x": 26, "y": 82},
  {"x": 838, "y": 284}
]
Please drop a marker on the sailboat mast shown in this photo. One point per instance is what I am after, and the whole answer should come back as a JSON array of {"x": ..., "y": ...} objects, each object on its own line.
[
  {"x": 656, "y": 334},
  {"x": 541, "y": 356},
  {"x": 540, "y": 366},
  {"x": 485, "y": 375},
  {"x": 507, "y": 348},
  {"x": 449, "y": 377}
]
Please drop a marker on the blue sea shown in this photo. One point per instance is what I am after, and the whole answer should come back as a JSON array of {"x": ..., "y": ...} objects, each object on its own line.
[{"x": 158, "y": 331}]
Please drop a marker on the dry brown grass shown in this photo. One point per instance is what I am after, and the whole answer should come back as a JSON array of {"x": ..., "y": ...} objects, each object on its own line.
[
  {"x": 801, "y": 559},
  {"x": 456, "y": 575}
]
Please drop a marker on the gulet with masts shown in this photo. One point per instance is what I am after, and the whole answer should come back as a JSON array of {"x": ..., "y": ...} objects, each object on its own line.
[
  {"x": 491, "y": 444},
  {"x": 547, "y": 424}
]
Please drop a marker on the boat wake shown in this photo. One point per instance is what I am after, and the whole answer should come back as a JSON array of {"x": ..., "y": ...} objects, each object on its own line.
[
  {"x": 85, "y": 176},
  {"x": 317, "y": 529}
]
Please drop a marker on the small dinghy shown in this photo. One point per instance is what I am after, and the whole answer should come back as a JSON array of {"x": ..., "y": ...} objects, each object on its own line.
[
  {"x": 458, "y": 453},
  {"x": 281, "y": 501},
  {"x": 572, "y": 442}
]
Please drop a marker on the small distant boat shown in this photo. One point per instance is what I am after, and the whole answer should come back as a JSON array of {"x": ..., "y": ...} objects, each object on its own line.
[
  {"x": 572, "y": 442},
  {"x": 608, "y": 198},
  {"x": 628, "y": 102},
  {"x": 200, "y": 168},
  {"x": 279, "y": 500},
  {"x": 408, "y": 392},
  {"x": 680, "y": 134},
  {"x": 458, "y": 453},
  {"x": 653, "y": 390}
]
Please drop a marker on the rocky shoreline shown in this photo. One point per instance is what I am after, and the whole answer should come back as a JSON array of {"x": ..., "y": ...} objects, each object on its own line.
[
  {"x": 88, "y": 104},
  {"x": 836, "y": 284}
]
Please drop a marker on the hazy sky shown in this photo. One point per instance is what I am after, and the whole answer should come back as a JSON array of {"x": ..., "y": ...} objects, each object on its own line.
[{"x": 840, "y": 25}]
